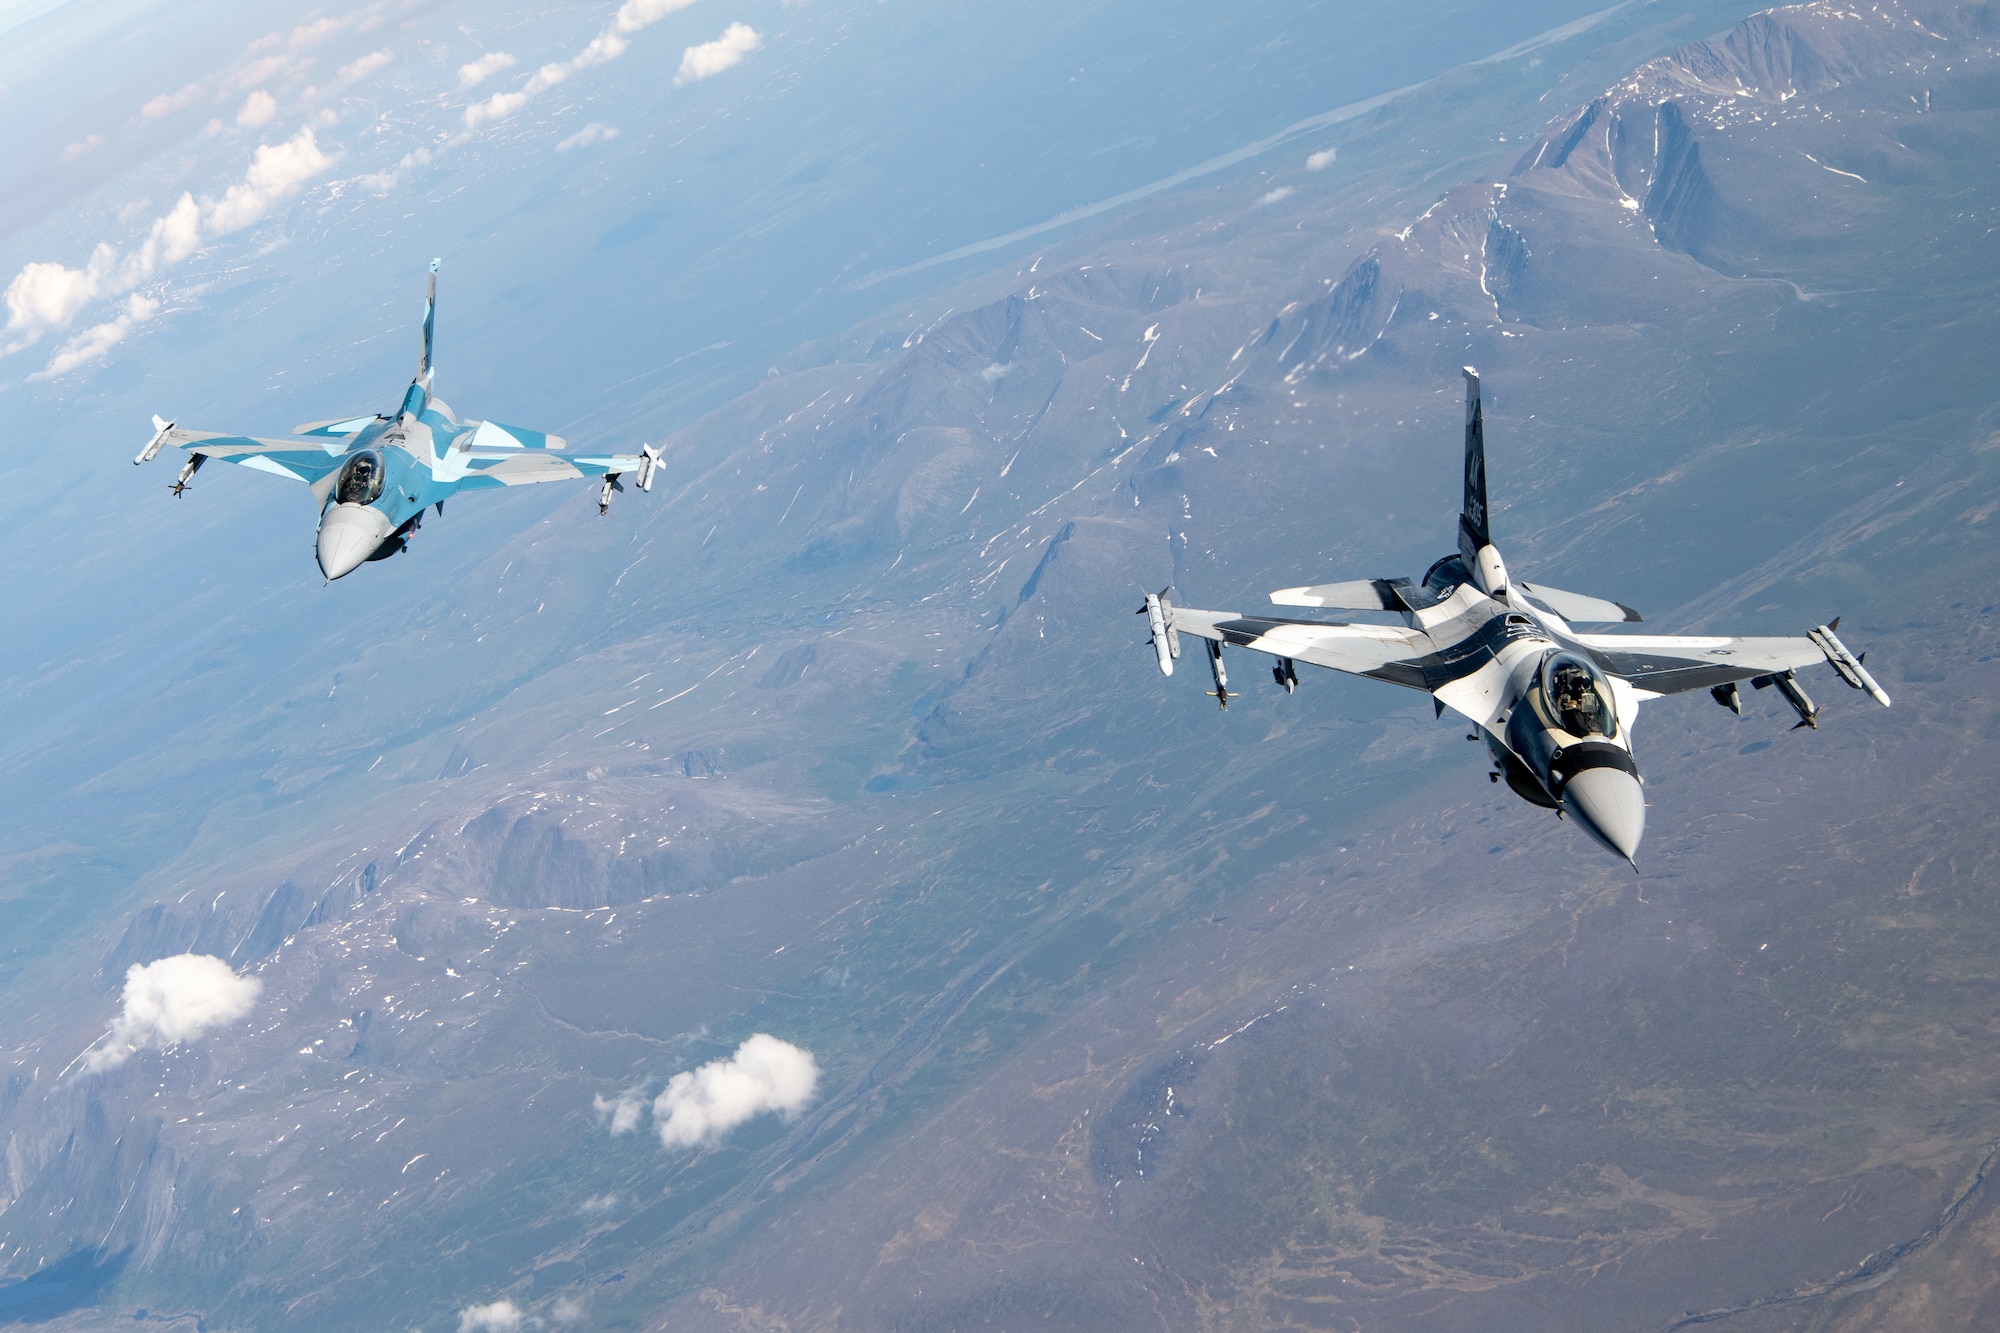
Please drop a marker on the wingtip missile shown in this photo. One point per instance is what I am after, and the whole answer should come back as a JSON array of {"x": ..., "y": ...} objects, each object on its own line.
[
  {"x": 154, "y": 445},
  {"x": 1156, "y": 617},
  {"x": 1846, "y": 663}
]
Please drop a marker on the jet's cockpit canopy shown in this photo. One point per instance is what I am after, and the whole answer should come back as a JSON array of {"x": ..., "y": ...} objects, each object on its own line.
[
  {"x": 1578, "y": 697},
  {"x": 360, "y": 479}
]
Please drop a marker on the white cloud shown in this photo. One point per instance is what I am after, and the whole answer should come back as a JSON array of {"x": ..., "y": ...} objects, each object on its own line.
[
  {"x": 308, "y": 33},
  {"x": 276, "y": 171},
  {"x": 173, "y": 238},
  {"x": 620, "y": 1114},
  {"x": 303, "y": 35},
  {"x": 502, "y": 105},
  {"x": 98, "y": 340},
  {"x": 567, "y": 1310},
  {"x": 384, "y": 181},
  {"x": 499, "y": 1317},
  {"x": 48, "y": 296},
  {"x": 725, "y": 52},
  {"x": 1274, "y": 196},
  {"x": 497, "y": 107},
  {"x": 45, "y": 298},
  {"x": 259, "y": 109},
  {"x": 167, "y": 103},
  {"x": 476, "y": 72},
  {"x": 266, "y": 70},
  {"x": 588, "y": 135},
  {"x": 171, "y": 1001},
  {"x": 597, "y": 1203},
  {"x": 73, "y": 151},
  {"x": 636, "y": 14},
  {"x": 603, "y": 47},
  {"x": 344, "y": 76},
  {"x": 1321, "y": 160},
  {"x": 765, "y": 1074},
  {"x": 372, "y": 63},
  {"x": 606, "y": 46},
  {"x": 710, "y": 58}
]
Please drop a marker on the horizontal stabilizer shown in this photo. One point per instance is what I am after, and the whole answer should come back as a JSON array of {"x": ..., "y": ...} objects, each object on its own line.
[
  {"x": 1577, "y": 608},
  {"x": 1354, "y": 595},
  {"x": 338, "y": 426}
]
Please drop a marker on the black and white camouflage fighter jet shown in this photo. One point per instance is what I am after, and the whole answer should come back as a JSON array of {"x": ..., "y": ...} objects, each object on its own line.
[{"x": 1555, "y": 706}]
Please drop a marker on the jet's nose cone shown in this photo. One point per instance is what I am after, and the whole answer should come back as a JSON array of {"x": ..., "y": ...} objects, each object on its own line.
[
  {"x": 348, "y": 535},
  {"x": 1610, "y": 805}
]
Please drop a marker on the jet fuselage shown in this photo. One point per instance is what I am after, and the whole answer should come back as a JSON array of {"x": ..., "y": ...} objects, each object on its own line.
[
  {"x": 396, "y": 468},
  {"x": 1554, "y": 723}
]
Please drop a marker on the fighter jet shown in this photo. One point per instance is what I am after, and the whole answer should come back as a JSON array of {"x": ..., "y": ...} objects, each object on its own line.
[
  {"x": 375, "y": 475},
  {"x": 1554, "y": 706}
]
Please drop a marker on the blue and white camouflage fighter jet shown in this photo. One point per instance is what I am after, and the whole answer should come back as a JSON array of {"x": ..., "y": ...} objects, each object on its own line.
[
  {"x": 374, "y": 476},
  {"x": 1554, "y": 706}
]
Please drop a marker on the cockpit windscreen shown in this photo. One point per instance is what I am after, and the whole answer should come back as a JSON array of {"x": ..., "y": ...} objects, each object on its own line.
[
  {"x": 1578, "y": 697},
  {"x": 360, "y": 480}
]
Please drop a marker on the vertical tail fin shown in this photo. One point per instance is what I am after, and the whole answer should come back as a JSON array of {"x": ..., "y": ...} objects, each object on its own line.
[
  {"x": 1473, "y": 532},
  {"x": 430, "y": 317}
]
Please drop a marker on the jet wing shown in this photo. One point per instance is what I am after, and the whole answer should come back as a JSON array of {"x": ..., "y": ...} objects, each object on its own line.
[
  {"x": 1669, "y": 664},
  {"x": 283, "y": 458},
  {"x": 525, "y": 467},
  {"x": 1576, "y": 608},
  {"x": 1379, "y": 652}
]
